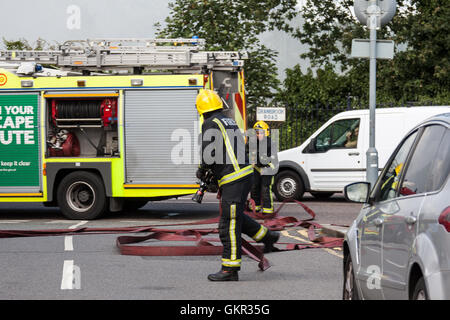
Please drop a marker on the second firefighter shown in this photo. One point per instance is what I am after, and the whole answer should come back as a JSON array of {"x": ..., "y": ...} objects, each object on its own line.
[{"x": 265, "y": 162}]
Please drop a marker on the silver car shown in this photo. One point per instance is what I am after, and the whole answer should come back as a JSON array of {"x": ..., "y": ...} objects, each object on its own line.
[{"x": 399, "y": 245}]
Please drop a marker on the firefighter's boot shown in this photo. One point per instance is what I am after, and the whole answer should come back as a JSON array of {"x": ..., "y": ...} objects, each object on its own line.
[
  {"x": 269, "y": 240},
  {"x": 224, "y": 276}
]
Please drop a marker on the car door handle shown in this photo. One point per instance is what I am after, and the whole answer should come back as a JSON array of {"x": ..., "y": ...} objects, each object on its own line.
[
  {"x": 353, "y": 153},
  {"x": 378, "y": 222},
  {"x": 410, "y": 220}
]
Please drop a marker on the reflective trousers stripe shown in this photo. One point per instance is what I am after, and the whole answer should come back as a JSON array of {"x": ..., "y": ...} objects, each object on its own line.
[
  {"x": 232, "y": 232},
  {"x": 260, "y": 234},
  {"x": 270, "y": 209},
  {"x": 231, "y": 263}
]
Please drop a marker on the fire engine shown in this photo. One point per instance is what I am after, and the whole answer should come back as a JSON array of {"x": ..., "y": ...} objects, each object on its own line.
[{"x": 106, "y": 124}]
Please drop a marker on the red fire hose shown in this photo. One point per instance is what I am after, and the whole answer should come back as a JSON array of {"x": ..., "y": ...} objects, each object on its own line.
[{"x": 203, "y": 245}]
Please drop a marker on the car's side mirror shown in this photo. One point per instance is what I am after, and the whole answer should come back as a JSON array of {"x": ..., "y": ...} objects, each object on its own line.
[{"x": 357, "y": 192}]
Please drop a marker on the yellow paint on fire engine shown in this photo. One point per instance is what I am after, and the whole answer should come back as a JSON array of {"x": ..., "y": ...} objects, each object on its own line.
[{"x": 100, "y": 82}]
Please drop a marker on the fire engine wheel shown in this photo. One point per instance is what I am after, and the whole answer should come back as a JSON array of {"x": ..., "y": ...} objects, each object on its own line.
[
  {"x": 288, "y": 185},
  {"x": 81, "y": 196}
]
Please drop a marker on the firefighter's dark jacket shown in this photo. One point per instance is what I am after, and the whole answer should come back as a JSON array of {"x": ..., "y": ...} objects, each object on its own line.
[
  {"x": 264, "y": 158},
  {"x": 233, "y": 164},
  {"x": 265, "y": 154}
]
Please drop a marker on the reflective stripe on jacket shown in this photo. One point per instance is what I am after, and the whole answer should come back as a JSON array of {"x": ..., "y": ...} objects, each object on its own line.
[{"x": 225, "y": 148}]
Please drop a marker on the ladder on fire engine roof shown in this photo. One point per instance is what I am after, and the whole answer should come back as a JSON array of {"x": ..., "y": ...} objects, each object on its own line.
[{"x": 114, "y": 55}]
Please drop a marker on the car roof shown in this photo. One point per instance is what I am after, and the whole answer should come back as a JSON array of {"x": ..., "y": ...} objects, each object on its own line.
[
  {"x": 443, "y": 118},
  {"x": 418, "y": 109}
]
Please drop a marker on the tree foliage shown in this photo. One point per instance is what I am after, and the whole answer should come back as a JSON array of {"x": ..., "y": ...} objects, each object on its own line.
[
  {"x": 423, "y": 70},
  {"x": 235, "y": 25},
  {"x": 23, "y": 44},
  {"x": 323, "y": 87},
  {"x": 419, "y": 72}
]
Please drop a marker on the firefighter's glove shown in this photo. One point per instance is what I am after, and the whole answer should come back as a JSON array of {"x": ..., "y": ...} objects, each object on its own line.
[
  {"x": 201, "y": 174},
  {"x": 213, "y": 185}
]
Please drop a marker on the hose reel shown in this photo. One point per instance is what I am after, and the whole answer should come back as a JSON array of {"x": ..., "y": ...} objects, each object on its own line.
[{"x": 84, "y": 113}]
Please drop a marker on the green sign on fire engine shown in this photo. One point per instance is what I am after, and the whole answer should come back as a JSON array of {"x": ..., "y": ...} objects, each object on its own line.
[{"x": 19, "y": 142}]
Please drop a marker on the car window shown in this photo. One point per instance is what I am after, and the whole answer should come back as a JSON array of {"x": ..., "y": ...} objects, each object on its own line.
[
  {"x": 418, "y": 175},
  {"x": 339, "y": 134},
  {"x": 389, "y": 182},
  {"x": 323, "y": 139},
  {"x": 441, "y": 165}
]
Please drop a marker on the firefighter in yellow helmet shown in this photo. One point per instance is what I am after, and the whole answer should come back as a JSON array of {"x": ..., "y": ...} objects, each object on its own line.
[
  {"x": 389, "y": 187},
  {"x": 229, "y": 163},
  {"x": 265, "y": 164}
]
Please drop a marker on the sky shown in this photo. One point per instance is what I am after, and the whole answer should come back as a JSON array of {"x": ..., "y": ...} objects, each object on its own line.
[{"x": 59, "y": 20}]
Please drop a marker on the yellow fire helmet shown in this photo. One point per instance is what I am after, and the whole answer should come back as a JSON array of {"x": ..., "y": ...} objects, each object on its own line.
[
  {"x": 208, "y": 100},
  {"x": 261, "y": 125}
]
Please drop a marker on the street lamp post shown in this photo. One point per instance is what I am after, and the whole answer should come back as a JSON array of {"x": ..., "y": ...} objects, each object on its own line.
[
  {"x": 374, "y": 14},
  {"x": 372, "y": 154}
]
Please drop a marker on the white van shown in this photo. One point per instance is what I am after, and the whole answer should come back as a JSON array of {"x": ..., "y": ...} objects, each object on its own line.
[{"x": 335, "y": 155}]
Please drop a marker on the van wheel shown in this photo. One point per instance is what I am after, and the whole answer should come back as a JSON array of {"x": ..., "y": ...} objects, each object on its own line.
[
  {"x": 81, "y": 196},
  {"x": 288, "y": 185},
  {"x": 350, "y": 291},
  {"x": 420, "y": 290}
]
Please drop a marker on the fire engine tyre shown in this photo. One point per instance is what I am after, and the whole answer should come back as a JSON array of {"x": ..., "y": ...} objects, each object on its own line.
[
  {"x": 350, "y": 291},
  {"x": 81, "y": 196},
  {"x": 288, "y": 185}
]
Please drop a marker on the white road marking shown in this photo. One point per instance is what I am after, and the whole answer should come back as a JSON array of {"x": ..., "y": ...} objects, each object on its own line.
[
  {"x": 68, "y": 243},
  {"x": 79, "y": 224},
  {"x": 14, "y": 221},
  {"x": 68, "y": 240},
  {"x": 67, "y": 277},
  {"x": 59, "y": 221},
  {"x": 71, "y": 278}
]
